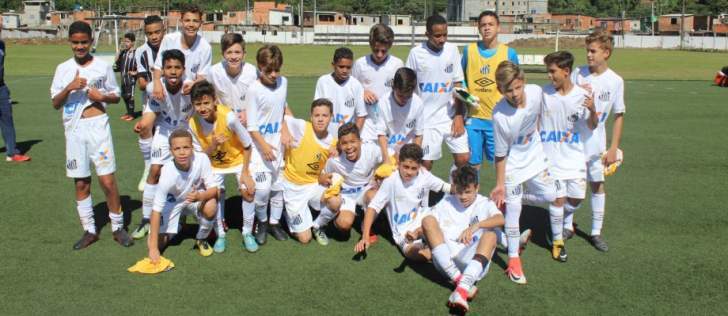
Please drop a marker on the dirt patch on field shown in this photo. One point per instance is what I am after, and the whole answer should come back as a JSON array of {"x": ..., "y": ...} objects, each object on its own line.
[{"x": 564, "y": 43}]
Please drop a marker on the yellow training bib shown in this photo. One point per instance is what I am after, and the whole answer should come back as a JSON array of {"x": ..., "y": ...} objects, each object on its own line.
[
  {"x": 227, "y": 154},
  {"x": 481, "y": 79},
  {"x": 305, "y": 162}
]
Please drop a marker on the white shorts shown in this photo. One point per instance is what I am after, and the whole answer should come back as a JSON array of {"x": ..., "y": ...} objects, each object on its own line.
[
  {"x": 541, "y": 185},
  {"x": 462, "y": 254},
  {"x": 595, "y": 170},
  {"x": 219, "y": 176},
  {"x": 90, "y": 142},
  {"x": 400, "y": 239},
  {"x": 265, "y": 181},
  {"x": 571, "y": 188},
  {"x": 297, "y": 199},
  {"x": 171, "y": 214},
  {"x": 160, "y": 147},
  {"x": 351, "y": 197},
  {"x": 432, "y": 141}
]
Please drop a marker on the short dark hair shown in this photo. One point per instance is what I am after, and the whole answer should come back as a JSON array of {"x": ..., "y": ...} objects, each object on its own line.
[
  {"x": 322, "y": 102},
  {"x": 465, "y": 176},
  {"x": 230, "y": 39},
  {"x": 152, "y": 19},
  {"x": 381, "y": 33},
  {"x": 411, "y": 151},
  {"x": 434, "y": 19},
  {"x": 130, "y": 36},
  {"x": 348, "y": 128},
  {"x": 192, "y": 8},
  {"x": 561, "y": 59},
  {"x": 80, "y": 27},
  {"x": 202, "y": 88},
  {"x": 343, "y": 53},
  {"x": 179, "y": 133},
  {"x": 405, "y": 80},
  {"x": 269, "y": 55},
  {"x": 173, "y": 54},
  {"x": 488, "y": 13}
]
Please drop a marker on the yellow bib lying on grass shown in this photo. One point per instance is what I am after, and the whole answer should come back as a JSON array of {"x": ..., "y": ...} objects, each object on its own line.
[{"x": 145, "y": 266}]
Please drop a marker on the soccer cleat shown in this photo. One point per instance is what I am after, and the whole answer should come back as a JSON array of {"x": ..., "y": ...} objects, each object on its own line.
[
  {"x": 122, "y": 237},
  {"x": 203, "y": 248},
  {"x": 515, "y": 271},
  {"x": 320, "y": 236},
  {"x": 261, "y": 232},
  {"x": 127, "y": 117},
  {"x": 143, "y": 180},
  {"x": 598, "y": 242},
  {"x": 86, "y": 240},
  {"x": 458, "y": 300},
  {"x": 249, "y": 242},
  {"x": 278, "y": 233},
  {"x": 523, "y": 240},
  {"x": 568, "y": 234},
  {"x": 17, "y": 158},
  {"x": 558, "y": 251},
  {"x": 473, "y": 289},
  {"x": 219, "y": 246},
  {"x": 141, "y": 230}
]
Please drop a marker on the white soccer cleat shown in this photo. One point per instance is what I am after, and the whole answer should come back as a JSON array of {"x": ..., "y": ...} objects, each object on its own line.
[{"x": 458, "y": 300}]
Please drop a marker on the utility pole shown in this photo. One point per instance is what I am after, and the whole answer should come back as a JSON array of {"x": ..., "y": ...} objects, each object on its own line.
[
  {"x": 682, "y": 24},
  {"x": 652, "y": 18}
]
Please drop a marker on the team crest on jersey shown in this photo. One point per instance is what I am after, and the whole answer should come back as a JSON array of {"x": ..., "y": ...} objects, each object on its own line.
[
  {"x": 516, "y": 190},
  {"x": 187, "y": 108},
  {"x": 421, "y": 194},
  {"x": 573, "y": 117},
  {"x": 349, "y": 103},
  {"x": 71, "y": 164},
  {"x": 449, "y": 68},
  {"x": 412, "y": 124},
  {"x": 485, "y": 70}
]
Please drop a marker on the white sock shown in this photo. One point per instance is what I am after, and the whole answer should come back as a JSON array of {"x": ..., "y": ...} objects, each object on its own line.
[
  {"x": 148, "y": 200},
  {"x": 248, "y": 217},
  {"x": 145, "y": 146},
  {"x": 513, "y": 233},
  {"x": 86, "y": 214},
  {"x": 597, "y": 203},
  {"x": 261, "y": 211},
  {"x": 276, "y": 206},
  {"x": 325, "y": 216},
  {"x": 441, "y": 258},
  {"x": 219, "y": 228},
  {"x": 556, "y": 214},
  {"x": 117, "y": 220},
  {"x": 502, "y": 239},
  {"x": 205, "y": 227},
  {"x": 569, "y": 216},
  {"x": 473, "y": 272}
]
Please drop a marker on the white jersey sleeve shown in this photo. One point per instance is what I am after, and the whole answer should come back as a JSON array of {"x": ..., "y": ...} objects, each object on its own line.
[
  {"x": 110, "y": 86},
  {"x": 297, "y": 127},
  {"x": 361, "y": 107},
  {"x": 234, "y": 125},
  {"x": 206, "y": 172},
  {"x": 382, "y": 197}
]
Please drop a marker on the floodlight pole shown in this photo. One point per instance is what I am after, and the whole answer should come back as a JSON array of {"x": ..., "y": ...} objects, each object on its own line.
[{"x": 682, "y": 24}]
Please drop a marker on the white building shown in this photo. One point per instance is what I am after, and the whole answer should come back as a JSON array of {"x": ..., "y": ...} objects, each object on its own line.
[
  {"x": 11, "y": 20},
  {"x": 363, "y": 19},
  {"x": 280, "y": 17},
  {"x": 468, "y": 10},
  {"x": 36, "y": 11}
]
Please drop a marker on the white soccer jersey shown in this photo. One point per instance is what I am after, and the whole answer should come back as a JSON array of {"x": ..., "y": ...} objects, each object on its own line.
[
  {"x": 356, "y": 174},
  {"x": 401, "y": 124},
  {"x": 231, "y": 91},
  {"x": 198, "y": 58},
  {"x": 517, "y": 138},
  {"x": 453, "y": 218},
  {"x": 405, "y": 202},
  {"x": 564, "y": 122},
  {"x": 608, "y": 89},
  {"x": 437, "y": 73},
  {"x": 233, "y": 124},
  {"x": 174, "y": 184},
  {"x": 98, "y": 75},
  {"x": 348, "y": 100},
  {"x": 265, "y": 108},
  {"x": 173, "y": 113},
  {"x": 377, "y": 79}
]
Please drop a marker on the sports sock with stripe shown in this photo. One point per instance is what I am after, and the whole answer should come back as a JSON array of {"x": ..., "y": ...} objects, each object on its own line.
[
  {"x": 556, "y": 216},
  {"x": 441, "y": 258},
  {"x": 597, "y": 203},
  {"x": 276, "y": 207},
  {"x": 86, "y": 214},
  {"x": 513, "y": 233},
  {"x": 117, "y": 220}
]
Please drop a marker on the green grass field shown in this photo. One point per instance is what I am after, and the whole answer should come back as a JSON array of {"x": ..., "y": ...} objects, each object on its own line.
[{"x": 665, "y": 220}]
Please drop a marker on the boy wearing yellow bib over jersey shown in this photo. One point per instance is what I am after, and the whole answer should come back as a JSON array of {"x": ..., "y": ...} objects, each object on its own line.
[
  {"x": 479, "y": 63},
  {"x": 304, "y": 161},
  {"x": 217, "y": 132}
]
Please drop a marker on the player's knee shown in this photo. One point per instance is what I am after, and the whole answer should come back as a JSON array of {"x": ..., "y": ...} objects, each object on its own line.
[
  {"x": 461, "y": 159},
  {"x": 303, "y": 237},
  {"x": 344, "y": 223},
  {"x": 559, "y": 202},
  {"x": 429, "y": 223},
  {"x": 83, "y": 186},
  {"x": 107, "y": 182},
  {"x": 573, "y": 202},
  {"x": 333, "y": 203},
  {"x": 427, "y": 164},
  {"x": 209, "y": 210}
]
